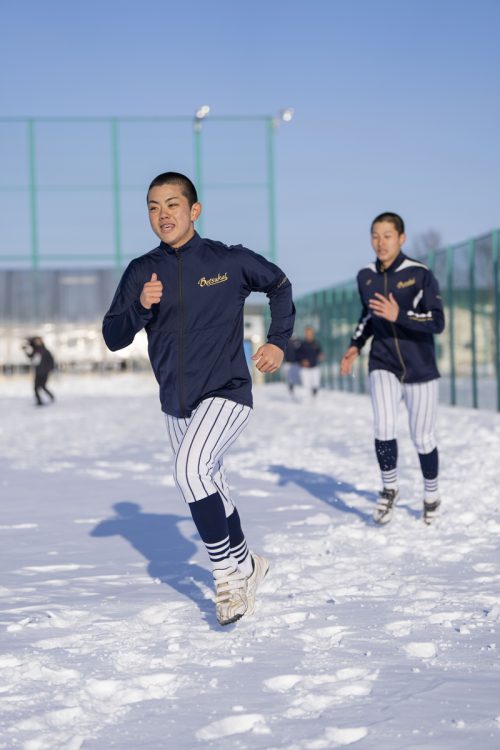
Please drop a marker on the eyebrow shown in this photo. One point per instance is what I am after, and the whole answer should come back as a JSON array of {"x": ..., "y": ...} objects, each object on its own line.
[{"x": 172, "y": 198}]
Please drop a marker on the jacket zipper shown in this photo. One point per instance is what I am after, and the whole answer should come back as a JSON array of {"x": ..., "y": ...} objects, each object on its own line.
[
  {"x": 396, "y": 340},
  {"x": 181, "y": 333}
]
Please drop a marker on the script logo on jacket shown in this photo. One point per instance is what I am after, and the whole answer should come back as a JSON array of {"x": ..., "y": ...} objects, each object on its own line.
[
  {"x": 404, "y": 284},
  {"x": 221, "y": 277}
]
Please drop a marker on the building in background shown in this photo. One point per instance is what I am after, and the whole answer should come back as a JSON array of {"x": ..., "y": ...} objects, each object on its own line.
[{"x": 66, "y": 308}]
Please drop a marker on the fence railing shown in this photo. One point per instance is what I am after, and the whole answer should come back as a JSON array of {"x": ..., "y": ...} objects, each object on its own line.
[{"x": 468, "y": 351}]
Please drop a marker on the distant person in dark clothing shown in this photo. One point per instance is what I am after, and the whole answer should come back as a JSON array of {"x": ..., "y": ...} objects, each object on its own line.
[
  {"x": 309, "y": 355},
  {"x": 292, "y": 367},
  {"x": 43, "y": 362}
]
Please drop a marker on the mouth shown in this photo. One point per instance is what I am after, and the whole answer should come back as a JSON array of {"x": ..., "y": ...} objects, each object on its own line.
[{"x": 166, "y": 227}]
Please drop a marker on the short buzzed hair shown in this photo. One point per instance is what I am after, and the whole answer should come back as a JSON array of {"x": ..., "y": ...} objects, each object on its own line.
[
  {"x": 176, "y": 178},
  {"x": 392, "y": 218}
]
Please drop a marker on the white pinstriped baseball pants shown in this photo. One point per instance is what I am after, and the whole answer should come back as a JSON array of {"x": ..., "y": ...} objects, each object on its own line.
[
  {"x": 420, "y": 399},
  {"x": 199, "y": 443}
]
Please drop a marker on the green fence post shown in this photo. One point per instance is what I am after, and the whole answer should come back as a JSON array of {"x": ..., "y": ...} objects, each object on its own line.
[
  {"x": 115, "y": 157},
  {"x": 329, "y": 337},
  {"x": 33, "y": 193},
  {"x": 198, "y": 167},
  {"x": 271, "y": 198},
  {"x": 496, "y": 308},
  {"x": 472, "y": 305},
  {"x": 33, "y": 188},
  {"x": 451, "y": 323}
]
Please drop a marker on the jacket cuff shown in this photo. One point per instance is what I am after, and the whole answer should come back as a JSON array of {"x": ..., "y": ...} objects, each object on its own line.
[
  {"x": 142, "y": 311},
  {"x": 277, "y": 342}
]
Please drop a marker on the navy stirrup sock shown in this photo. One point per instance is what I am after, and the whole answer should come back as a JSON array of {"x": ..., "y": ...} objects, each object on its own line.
[
  {"x": 238, "y": 544},
  {"x": 387, "y": 456},
  {"x": 429, "y": 463},
  {"x": 210, "y": 519}
]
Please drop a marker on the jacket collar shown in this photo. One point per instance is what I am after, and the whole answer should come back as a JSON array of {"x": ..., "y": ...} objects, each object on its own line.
[
  {"x": 394, "y": 265},
  {"x": 193, "y": 244}
]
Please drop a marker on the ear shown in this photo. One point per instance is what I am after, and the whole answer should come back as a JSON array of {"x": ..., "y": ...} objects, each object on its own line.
[
  {"x": 195, "y": 211},
  {"x": 402, "y": 239}
]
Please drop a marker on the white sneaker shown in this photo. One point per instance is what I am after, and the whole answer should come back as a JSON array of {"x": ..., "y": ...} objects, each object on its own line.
[
  {"x": 230, "y": 595},
  {"x": 431, "y": 511},
  {"x": 260, "y": 568},
  {"x": 385, "y": 505}
]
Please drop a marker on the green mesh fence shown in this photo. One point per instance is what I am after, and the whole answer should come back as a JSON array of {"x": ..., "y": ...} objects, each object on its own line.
[{"x": 73, "y": 190}]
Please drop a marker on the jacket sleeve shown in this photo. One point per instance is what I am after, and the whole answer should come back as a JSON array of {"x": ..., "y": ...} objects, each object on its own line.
[
  {"x": 126, "y": 316},
  {"x": 364, "y": 329},
  {"x": 260, "y": 275},
  {"x": 426, "y": 313}
]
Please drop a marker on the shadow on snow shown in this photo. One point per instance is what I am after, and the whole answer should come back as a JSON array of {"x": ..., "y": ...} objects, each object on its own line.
[
  {"x": 160, "y": 541},
  {"x": 327, "y": 488}
]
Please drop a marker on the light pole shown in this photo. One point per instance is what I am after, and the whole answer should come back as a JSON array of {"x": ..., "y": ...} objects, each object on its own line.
[
  {"x": 285, "y": 115},
  {"x": 199, "y": 116}
]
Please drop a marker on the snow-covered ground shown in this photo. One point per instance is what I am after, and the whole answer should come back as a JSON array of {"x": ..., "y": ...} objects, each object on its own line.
[{"x": 381, "y": 638}]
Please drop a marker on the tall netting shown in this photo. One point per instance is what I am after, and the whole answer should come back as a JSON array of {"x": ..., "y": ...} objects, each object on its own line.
[{"x": 74, "y": 190}]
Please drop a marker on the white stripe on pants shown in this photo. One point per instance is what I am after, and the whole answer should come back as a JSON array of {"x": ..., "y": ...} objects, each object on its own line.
[
  {"x": 421, "y": 402},
  {"x": 199, "y": 443}
]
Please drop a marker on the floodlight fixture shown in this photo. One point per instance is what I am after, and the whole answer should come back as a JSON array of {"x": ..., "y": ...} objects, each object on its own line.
[
  {"x": 287, "y": 114},
  {"x": 202, "y": 112}
]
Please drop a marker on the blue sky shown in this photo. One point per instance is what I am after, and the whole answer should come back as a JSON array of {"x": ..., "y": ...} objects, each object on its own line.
[{"x": 396, "y": 104}]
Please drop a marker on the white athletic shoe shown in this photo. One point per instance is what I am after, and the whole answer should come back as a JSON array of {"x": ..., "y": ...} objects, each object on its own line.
[
  {"x": 385, "y": 505},
  {"x": 260, "y": 568},
  {"x": 230, "y": 595},
  {"x": 431, "y": 511}
]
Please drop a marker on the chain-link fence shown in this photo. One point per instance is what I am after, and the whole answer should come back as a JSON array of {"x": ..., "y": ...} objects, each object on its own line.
[{"x": 468, "y": 351}]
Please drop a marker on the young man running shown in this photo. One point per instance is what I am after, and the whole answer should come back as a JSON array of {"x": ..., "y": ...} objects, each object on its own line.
[
  {"x": 402, "y": 309},
  {"x": 188, "y": 293},
  {"x": 309, "y": 356}
]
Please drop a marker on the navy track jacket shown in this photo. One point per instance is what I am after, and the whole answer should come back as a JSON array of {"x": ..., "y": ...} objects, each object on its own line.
[
  {"x": 405, "y": 347},
  {"x": 195, "y": 333}
]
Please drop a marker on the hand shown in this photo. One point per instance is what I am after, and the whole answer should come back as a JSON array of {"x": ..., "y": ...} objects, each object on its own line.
[
  {"x": 348, "y": 359},
  {"x": 268, "y": 358},
  {"x": 384, "y": 307},
  {"x": 304, "y": 363},
  {"x": 151, "y": 292}
]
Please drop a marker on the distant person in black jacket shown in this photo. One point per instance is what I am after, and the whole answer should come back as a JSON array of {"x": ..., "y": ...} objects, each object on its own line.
[
  {"x": 188, "y": 293},
  {"x": 401, "y": 310},
  {"x": 43, "y": 363},
  {"x": 309, "y": 355}
]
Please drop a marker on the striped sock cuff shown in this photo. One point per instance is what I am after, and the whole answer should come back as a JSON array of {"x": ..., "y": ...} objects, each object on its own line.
[
  {"x": 240, "y": 552},
  {"x": 431, "y": 485},
  {"x": 218, "y": 551},
  {"x": 431, "y": 490},
  {"x": 390, "y": 478}
]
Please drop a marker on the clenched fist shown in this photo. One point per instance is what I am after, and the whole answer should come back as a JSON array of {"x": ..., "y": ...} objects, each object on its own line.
[
  {"x": 151, "y": 292},
  {"x": 268, "y": 358},
  {"x": 347, "y": 360}
]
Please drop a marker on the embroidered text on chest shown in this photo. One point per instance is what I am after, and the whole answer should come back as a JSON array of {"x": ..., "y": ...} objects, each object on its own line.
[
  {"x": 215, "y": 280},
  {"x": 404, "y": 284}
]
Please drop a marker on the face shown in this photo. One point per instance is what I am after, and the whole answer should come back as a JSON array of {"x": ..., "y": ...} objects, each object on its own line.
[
  {"x": 386, "y": 242},
  {"x": 309, "y": 334},
  {"x": 170, "y": 215}
]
